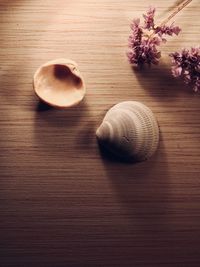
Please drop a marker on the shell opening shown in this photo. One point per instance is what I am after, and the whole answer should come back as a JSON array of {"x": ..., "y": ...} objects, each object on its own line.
[{"x": 64, "y": 73}]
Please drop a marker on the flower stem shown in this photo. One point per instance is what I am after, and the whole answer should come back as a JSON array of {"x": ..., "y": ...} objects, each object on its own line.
[{"x": 178, "y": 8}]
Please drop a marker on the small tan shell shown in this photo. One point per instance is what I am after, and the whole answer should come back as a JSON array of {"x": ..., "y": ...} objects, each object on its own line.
[
  {"x": 59, "y": 83},
  {"x": 129, "y": 130}
]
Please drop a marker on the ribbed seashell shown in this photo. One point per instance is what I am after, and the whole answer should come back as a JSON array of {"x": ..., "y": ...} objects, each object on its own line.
[
  {"x": 130, "y": 131},
  {"x": 59, "y": 83}
]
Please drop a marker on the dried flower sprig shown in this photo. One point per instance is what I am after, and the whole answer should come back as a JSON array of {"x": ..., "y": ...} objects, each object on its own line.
[
  {"x": 146, "y": 38},
  {"x": 186, "y": 65}
]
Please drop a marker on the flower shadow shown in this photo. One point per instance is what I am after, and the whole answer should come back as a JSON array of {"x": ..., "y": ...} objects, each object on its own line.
[{"x": 159, "y": 82}]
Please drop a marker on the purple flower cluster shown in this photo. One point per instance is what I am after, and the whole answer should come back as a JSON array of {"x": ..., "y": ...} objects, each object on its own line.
[
  {"x": 149, "y": 18},
  {"x": 142, "y": 50},
  {"x": 145, "y": 39},
  {"x": 186, "y": 64},
  {"x": 168, "y": 30}
]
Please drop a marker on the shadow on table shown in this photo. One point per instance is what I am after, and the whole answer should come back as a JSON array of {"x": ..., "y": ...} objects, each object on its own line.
[
  {"x": 41, "y": 106},
  {"x": 141, "y": 188},
  {"x": 56, "y": 128},
  {"x": 60, "y": 117},
  {"x": 159, "y": 82}
]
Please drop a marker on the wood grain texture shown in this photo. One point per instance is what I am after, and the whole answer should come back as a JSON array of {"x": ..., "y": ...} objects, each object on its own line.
[{"x": 62, "y": 203}]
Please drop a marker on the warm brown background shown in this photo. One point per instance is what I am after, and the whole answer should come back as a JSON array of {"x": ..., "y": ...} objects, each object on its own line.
[{"x": 62, "y": 204}]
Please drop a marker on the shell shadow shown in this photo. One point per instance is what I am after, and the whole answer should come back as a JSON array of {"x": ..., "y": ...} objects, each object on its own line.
[
  {"x": 142, "y": 188},
  {"x": 41, "y": 106},
  {"x": 60, "y": 117},
  {"x": 52, "y": 127},
  {"x": 108, "y": 155}
]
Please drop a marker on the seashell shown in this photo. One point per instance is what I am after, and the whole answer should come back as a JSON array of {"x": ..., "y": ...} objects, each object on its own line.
[
  {"x": 130, "y": 131},
  {"x": 59, "y": 83}
]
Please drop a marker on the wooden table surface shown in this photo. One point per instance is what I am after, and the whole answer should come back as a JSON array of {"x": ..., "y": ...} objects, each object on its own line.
[{"x": 64, "y": 204}]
